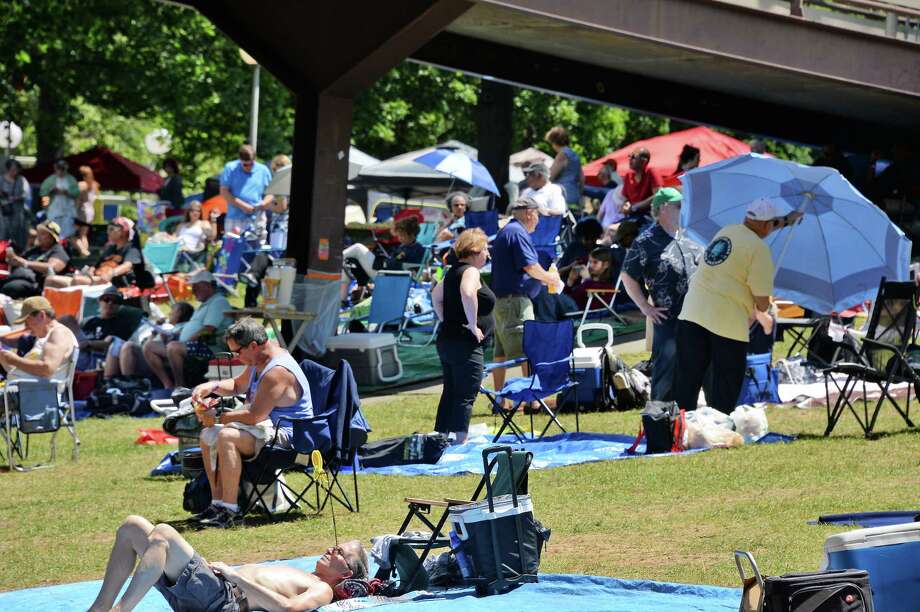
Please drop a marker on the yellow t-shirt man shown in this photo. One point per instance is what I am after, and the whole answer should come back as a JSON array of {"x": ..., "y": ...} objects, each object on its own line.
[{"x": 735, "y": 267}]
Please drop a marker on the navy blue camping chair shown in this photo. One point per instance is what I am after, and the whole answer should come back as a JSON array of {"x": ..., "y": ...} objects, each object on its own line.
[
  {"x": 486, "y": 220},
  {"x": 335, "y": 403},
  {"x": 548, "y": 348},
  {"x": 545, "y": 238}
]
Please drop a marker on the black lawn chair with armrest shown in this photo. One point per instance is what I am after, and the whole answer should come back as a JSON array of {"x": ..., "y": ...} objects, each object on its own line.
[
  {"x": 511, "y": 470},
  {"x": 882, "y": 359}
]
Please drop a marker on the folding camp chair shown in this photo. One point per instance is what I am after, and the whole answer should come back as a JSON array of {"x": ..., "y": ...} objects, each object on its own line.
[
  {"x": 337, "y": 430},
  {"x": 486, "y": 220},
  {"x": 548, "y": 348},
  {"x": 162, "y": 258},
  {"x": 65, "y": 302},
  {"x": 510, "y": 470},
  {"x": 34, "y": 406},
  {"x": 882, "y": 358},
  {"x": 545, "y": 238},
  {"x": 389, "y": 303}
]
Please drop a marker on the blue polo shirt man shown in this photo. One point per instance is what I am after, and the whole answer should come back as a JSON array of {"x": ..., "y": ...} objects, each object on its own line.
[
  {"x": 516, "y": 278},
  {"x": 242, "y": 183}
]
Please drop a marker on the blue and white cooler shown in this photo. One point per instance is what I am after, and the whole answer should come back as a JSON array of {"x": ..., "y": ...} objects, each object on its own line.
[
  {"x": 890, "y": 554},
  {"x": 587, "y": 370}
]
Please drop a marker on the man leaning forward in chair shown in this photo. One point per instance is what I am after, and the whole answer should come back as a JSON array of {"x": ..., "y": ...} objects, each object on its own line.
[
  {"x": 274, "y": 386},
  {"x": 191, "y": 584}
]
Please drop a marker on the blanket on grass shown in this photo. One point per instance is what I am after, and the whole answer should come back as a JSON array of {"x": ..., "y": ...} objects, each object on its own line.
[
  {"x": 549, "y": 452},
  {"x": 557, "y": 592}
]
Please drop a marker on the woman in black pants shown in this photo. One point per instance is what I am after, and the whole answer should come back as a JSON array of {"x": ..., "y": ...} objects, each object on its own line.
[{"x": 464, "y": 306}]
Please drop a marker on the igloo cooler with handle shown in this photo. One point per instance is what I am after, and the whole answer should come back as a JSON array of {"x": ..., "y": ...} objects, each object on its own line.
[
  {"x": 372, "y": 356},
  {"x": 587, "y": 364},
  {"x": 890, "y": 554},
  {"x": 499, "y": 536}
]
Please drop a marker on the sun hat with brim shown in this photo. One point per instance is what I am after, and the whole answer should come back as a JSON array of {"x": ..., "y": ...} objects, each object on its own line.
[
  {"x": 32, "y": 305},
  {"x": 665, "y": 195},
  {"x": 52, "y": 228}
]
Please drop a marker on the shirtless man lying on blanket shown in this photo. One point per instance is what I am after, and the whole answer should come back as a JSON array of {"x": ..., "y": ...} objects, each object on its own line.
[{"x": 191, "y": 584}]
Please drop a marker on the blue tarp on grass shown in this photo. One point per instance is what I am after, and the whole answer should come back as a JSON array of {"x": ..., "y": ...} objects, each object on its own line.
[
  {"x": 549, "y": 452},
  {"x": 557, "y": 592}
]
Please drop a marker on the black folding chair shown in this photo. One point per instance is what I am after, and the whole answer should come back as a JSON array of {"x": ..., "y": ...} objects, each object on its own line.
[
  {"x": 882, "y": 359},
  {"x": 510, "y": 474}
]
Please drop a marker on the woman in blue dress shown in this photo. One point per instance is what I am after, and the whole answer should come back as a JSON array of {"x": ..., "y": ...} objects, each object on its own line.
[{"x": 566, "y": 169}]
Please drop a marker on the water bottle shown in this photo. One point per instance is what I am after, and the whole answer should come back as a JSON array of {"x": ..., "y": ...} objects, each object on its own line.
[
  {"x": 466, "y": 570},
  {"x": 553, "y": 287}
]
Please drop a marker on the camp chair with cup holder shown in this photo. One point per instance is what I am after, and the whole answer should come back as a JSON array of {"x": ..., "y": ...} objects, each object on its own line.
[
  {"x": 885, "y": 358},
  {"x": 34, "y": 406},
  {"x": 548, "y": 349},
  {"x": 337, "y": 429},
  {"x": 506, "y": 472}
]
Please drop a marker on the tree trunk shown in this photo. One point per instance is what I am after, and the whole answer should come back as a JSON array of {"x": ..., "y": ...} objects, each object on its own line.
[
  {"x": 54, "y": 113},
  {"x": 493, "y": 118}
]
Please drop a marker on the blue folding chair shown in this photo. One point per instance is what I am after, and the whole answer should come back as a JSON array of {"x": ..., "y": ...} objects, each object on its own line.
[
  {"x": 162, "y": 256},
  {"x": 486, "y": 220},
  {"x": 545, "y": 238},
  {"x": 548, "y": 348}
]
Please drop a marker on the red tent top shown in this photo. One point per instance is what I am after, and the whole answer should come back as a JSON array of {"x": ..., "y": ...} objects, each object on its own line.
[
  {"x": 113, "y": 171},
  {"x": 666, "y": 149}
]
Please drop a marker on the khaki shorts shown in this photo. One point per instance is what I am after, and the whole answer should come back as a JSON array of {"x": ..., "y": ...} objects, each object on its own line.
[{"x": 510, "y": 314}]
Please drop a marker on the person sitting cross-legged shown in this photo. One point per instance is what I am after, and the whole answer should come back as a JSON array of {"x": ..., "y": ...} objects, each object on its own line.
[
  {"x": 275, "y": 386},
  {"x": 191, "y": 584}
]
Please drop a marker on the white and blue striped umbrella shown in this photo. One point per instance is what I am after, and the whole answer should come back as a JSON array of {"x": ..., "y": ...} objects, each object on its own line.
[
  {"x": 459, "y": 165},
  {"x": 834, "y": 259}
]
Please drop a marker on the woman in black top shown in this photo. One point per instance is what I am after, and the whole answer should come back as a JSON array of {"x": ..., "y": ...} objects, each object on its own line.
[{"x": 464, "y": 306}]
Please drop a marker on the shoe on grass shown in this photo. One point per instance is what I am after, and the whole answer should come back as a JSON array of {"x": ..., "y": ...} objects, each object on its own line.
[
  {"x": 223, "y": 519},
  {"x": 208, "y": 513}
]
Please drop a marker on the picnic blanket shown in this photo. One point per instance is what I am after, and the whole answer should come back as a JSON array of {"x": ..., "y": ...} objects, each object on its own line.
[
  {"x": 549, "y": 452},
  {"x": 868, "y": 519},
  {"x": 814, "y": 394},
  {"x": 557, "y": 592}
]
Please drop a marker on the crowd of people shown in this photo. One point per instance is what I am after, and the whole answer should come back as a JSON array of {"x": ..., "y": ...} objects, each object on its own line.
[{"x": 702, "y": 303}]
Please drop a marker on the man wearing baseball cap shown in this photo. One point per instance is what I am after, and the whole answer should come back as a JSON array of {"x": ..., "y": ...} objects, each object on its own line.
[
  {"x": 54, "y": 344},
  {"x": 659, "y": 264},
  {"x": 516, "y": 279},
  {"x": 28, "y": 271},
  {"x": 731, "y": 288},
  {"x": 184, "y": 360},
  {"x": 548, "y": 196}
]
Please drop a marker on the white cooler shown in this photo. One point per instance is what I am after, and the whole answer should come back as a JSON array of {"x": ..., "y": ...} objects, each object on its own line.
[
  {"x": 890, "y": 554},
  {"x": 373, "y": 357},
  {"x": 587, "y": 363}
]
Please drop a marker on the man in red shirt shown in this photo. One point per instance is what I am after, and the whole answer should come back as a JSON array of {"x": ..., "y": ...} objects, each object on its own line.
[{"x": 638, "y": 185}]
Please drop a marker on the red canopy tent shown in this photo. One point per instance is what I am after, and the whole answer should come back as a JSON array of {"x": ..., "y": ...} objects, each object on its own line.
[
  {"x": 665, "y": 150},
  {"x": 113, "y": 171}
]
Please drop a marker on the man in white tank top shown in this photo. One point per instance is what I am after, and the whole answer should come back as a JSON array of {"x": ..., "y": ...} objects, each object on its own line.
[
  {"x": 54, "y": 344},
  {"x": 272, "y": 381}
]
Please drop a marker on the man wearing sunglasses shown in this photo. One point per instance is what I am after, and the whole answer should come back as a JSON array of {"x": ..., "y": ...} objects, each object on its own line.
[
  {"x": 242, "y": 184},
  {"x": 191, "y": 584},
  {"x": 275, "y": 387}
]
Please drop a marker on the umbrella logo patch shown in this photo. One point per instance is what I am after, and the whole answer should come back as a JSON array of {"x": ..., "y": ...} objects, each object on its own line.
[{"x": 718, "y": 251}]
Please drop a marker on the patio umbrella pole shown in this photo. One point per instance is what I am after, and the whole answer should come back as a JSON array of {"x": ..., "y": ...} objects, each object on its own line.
[{"x": 779, "y": 260}]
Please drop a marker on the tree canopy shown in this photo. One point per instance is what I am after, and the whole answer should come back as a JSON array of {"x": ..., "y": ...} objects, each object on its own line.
[{"x": 85, "y": 72}]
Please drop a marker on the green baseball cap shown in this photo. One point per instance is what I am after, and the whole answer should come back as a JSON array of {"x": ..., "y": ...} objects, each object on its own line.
[{"x": 665, "y": 195}]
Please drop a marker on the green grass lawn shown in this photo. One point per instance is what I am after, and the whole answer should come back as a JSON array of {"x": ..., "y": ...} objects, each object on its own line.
[{"x": 676, "y": 518}]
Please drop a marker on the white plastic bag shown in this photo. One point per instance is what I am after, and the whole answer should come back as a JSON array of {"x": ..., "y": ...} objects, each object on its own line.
[
  {"x": 707, "y": 416},
  {"x": 750, "y": 422}
]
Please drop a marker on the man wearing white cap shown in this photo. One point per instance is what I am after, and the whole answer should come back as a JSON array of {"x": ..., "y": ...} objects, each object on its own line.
[
  {"x": 172, "y": 362},
  {"x": 729, "y": 290},
  {"x": 548, "y": 195}
]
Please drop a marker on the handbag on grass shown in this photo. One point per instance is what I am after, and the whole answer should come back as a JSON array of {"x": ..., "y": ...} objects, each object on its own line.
[{"x": 825, "y": 591}]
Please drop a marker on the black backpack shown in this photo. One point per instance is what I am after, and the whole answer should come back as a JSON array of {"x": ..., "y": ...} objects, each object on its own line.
[
  {"x": 120, "y": 395},
  {"x": 403, "y": 450},
  {"x": 619, "y": 392}
]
